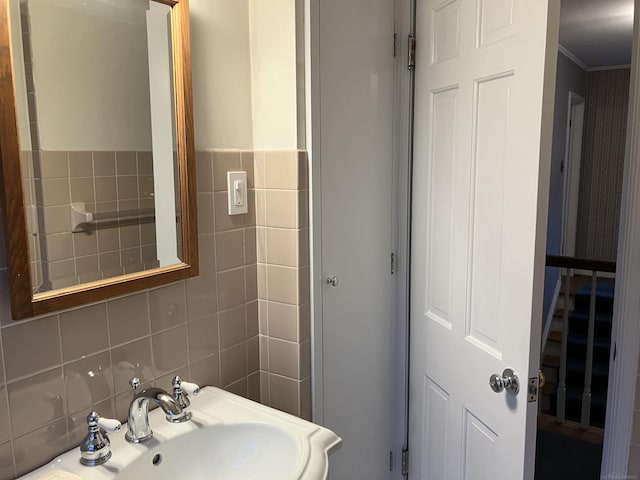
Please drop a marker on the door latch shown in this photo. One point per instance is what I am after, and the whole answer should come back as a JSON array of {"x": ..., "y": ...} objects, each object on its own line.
[{"x": 534, "y": 386}]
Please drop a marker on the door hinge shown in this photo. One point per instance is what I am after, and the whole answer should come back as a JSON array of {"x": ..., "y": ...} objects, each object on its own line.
[
  {"x": 395, "y": 44},
  {"x": 393, "y": 263},
  {"x": 391, "y": 460},
  {"x": 405, "y": 461},
  {"x": 411, "y": 53}
]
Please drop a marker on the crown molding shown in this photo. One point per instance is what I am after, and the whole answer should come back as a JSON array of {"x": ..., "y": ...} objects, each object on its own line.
[
  {"x": 574, "y": 58},
  {"x": 567, "y": 53}
]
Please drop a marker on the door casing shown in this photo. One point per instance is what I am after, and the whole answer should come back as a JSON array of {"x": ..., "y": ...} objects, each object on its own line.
[
  {"x": 572, "y": 161},
  {"x": 626, "y": 331}
]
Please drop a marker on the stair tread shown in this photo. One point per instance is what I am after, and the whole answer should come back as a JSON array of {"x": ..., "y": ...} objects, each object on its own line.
[
  {"x": 555, "y": 336},
  {"x": 551, "y": 361}
]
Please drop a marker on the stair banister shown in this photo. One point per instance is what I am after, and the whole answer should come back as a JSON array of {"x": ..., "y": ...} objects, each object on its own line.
[
  {"x": 562, "y": 384},
  {"x": 569, "y": 266},
  {"x": 586, "y": 395}
]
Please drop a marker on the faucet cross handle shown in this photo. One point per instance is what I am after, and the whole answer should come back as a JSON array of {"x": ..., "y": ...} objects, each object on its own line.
[
  {"x": 181, "y": 391},
  {"x": 95, "y": 449}
]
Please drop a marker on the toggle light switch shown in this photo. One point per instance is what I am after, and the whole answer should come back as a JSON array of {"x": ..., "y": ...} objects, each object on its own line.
[{"x": 237, "y": 193}]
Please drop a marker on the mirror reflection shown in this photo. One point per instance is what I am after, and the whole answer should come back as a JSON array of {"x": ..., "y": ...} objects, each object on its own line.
[{"x": 95, "y": 102}]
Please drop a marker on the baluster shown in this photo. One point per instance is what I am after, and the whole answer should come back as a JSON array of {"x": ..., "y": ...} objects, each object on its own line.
[
  {"x": 562, "y": 381},
  {"x": 586, "y": 395}
]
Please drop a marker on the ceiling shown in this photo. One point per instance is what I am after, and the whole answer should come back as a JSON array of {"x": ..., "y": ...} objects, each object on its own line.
[{"x": 598, "y": 32}]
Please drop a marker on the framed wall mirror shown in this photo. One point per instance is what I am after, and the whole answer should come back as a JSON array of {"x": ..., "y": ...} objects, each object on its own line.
[{"x": 97, "y": 149}]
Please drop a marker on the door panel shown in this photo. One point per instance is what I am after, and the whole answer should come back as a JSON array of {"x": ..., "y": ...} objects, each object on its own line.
[
  {"x": 436, "y": 407},
  {"x": 489, "y": 245},
  {"x": 478, "y": 138},
  {"x": 356, "y": 143}
]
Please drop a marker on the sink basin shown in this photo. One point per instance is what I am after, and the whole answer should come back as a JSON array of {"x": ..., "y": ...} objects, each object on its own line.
[
  {"x": 237, "y": 451},
  {"x": 229, "y": 437}
]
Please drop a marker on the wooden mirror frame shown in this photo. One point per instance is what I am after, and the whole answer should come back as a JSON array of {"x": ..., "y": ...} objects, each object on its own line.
[{"x": 23, "y": 302}]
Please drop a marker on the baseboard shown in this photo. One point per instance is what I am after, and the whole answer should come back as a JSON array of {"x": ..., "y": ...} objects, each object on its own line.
[{"x": 550, "y": 313}]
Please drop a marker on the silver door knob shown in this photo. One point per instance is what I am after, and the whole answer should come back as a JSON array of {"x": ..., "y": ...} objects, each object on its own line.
[
  {"x": 333, "y": 281},
  {"x": 508, "y": 381}
]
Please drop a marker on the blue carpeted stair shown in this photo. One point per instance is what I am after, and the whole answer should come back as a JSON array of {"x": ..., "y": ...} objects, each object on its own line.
[{"x": 577, "y": 352}]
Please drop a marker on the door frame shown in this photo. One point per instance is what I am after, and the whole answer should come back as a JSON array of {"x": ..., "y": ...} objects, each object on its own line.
[
  {"x": 626, "y": 332},
  {"x": 572, "y": 164},
  {"x": 403, "y": 167},
  {"x": 622, "y": 385},
  {"x": 312, "y": 126},
  {"x": 401, "y": 197}
]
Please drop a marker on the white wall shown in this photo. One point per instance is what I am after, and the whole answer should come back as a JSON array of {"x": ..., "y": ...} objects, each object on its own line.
[
  {"x": 91, "y": 74},
  {"x": 244, "y": 75},
  {"x": 273, "y": 75},
  {"x": 221, "y": 73}
]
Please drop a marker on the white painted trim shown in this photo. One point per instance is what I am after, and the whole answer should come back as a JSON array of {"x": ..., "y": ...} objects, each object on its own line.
[
  {"x": 312, "y": 94},
  {"x": 608, "y": 67},
  {"x": 626, "y": 309},
  {"x": 403, "y": 88},
  {"x": 162, "y": 134},
  {"x": 550, "y": 314},
  {"x": 567, "y": 53},
  {"x": 572, "y": 164},
  {"x": 574, "y": 58},
  {"x": 544, "y": 175}
]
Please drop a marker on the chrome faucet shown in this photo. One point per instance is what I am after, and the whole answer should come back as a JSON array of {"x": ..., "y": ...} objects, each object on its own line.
[{"x": 138, "y": 429}]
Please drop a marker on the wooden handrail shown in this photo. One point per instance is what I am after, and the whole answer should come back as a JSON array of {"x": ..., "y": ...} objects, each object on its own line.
[{"x": 580, "y": 263}]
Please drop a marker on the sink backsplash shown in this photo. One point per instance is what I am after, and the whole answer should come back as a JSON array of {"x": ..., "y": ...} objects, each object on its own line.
[{"x": 243, "y": 324}]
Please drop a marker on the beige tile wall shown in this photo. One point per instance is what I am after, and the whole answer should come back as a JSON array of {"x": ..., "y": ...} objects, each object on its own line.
[
  {"x": 283, "y": 280},
  {"x": 54, "y": 369},
  {"x": 104, "y": 182}
]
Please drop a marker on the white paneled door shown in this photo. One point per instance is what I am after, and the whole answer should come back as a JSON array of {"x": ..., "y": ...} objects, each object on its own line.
[{"x": 481, "y": 160}]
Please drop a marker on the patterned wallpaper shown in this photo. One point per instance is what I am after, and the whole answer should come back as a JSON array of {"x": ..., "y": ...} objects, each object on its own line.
[{"x": 605, "y": 125}]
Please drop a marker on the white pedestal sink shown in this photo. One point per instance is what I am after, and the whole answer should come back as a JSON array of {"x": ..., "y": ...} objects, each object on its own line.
[{"x": 228, "y": 438}]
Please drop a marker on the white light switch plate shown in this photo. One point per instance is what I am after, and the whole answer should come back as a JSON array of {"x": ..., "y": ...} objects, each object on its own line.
[{"x": 237, "y": 193}]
